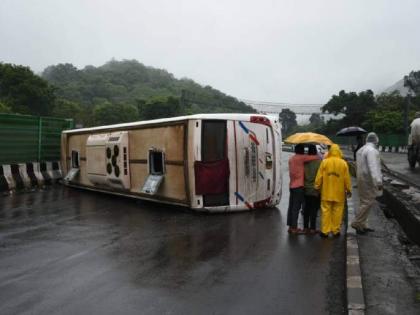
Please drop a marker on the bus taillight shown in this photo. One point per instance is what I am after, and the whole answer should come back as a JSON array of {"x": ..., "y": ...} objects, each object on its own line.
[
  {"x": 262, "y": 203},
  {"x": 260, "y": 120}
]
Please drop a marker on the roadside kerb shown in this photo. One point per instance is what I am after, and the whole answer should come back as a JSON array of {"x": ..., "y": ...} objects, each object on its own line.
[
  {"x": 354, "y": 286},
  {"x": 400, "y": 205}
]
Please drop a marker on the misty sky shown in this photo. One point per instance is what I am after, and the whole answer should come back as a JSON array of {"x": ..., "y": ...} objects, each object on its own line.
[{"x": 286, "y": 51}]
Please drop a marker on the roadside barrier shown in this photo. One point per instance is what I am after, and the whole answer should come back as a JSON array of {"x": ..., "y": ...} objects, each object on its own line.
[
  {"x": 4, "y": 186},
  {"x": 397, "y": 149},
  {"x": 29, "y": 168},
  {"x": 37, "y": 172},
  {"x": 28, "y": 175},
  {"x": 7, "y": 172},
  {"x": 45, "y": 174}
]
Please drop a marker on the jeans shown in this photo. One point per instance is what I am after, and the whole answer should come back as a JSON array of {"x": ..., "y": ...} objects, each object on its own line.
[
  {"x": 296, "y": 201},
  {"x": 312, "y": 204}
]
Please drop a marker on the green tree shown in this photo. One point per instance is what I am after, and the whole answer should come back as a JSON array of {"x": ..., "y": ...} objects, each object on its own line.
[
  {"x": 24, "y": 92},
  {"x": 315, "y": 119},
  {"x": 4, "y": 108},
  {"x": 412, "y": 82},
  {"x": 127, "y": 81},
  {"x": 387, "y": 122},
  {"x": 353, "y": 106},
  {"x": 387, "y": 117},
  {"x": 68, "y": 109},
  {"x": 107, "y": 113},
  {"x": 61, "y": 73},
  {"x": 288, "y": 121},
  {"x": 161, "y": 107}
]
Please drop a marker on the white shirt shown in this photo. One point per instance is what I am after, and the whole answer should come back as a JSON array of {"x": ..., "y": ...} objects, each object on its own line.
[
  {"x": 369, "y": 165},
  {"x": 415, "y": 130}
]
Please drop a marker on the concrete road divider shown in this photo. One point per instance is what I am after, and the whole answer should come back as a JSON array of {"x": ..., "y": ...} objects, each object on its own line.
[{"x": 27, "y": 175}]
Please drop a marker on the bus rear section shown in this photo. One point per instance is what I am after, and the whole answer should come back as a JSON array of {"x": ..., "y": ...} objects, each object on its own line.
[{"x": 236, "y": 163}]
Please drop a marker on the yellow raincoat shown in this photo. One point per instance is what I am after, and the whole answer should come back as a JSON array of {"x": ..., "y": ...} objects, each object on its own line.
[{"x": 333, "y": 182}]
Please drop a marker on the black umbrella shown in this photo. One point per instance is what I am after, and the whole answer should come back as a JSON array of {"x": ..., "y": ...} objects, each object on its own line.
[{"x": 351, "y": 131}]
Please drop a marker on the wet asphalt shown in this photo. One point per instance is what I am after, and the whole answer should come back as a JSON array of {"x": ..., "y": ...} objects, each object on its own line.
[
  {"x": 398, "y": 162},
  {"x": 69, "y": 251}
]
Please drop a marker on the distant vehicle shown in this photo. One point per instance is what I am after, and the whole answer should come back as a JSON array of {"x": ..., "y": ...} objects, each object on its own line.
[
  {"x": 413, "y": 154},
  {"x": 209, "y": 162},
  {"x": 321, "y": 148}
]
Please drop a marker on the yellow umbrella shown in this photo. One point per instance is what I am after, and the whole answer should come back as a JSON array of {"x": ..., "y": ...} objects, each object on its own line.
[{"x": 308, "y": 137}]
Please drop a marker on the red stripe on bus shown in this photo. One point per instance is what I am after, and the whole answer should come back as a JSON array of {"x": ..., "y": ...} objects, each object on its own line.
[{"x": 254, "y": 138}]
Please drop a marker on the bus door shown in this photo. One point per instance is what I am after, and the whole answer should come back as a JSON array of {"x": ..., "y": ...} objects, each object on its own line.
[
  {"x": 212, "y": 172},
  {"x": 255, "y": 165}
]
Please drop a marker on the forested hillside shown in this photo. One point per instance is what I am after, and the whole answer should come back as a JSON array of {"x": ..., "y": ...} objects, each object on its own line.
[
  {"x": 23, "y": 92},
  {"x": 128, "y": 90}
]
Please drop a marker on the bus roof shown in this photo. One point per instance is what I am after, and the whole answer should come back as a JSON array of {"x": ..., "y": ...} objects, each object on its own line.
[{"x": 243, "y": 117}]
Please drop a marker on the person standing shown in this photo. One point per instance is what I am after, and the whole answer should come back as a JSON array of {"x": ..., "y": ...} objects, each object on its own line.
[
  {"x": 312, "y": 201},
  {"x": 333, "y": 182},
  {"x": 414, "y": 141},
  {"x": 415, "y": 130},
  {"x": 359, "y": 145},
  {"x": 296, "y": 185},
  {"x": 369, "y": 181}
]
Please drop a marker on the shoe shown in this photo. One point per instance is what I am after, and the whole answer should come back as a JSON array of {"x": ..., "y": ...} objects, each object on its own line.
[
  {"x": 299, "y": 231},
  {"x": 368, "y": 230},
  {"x": 336, "y": 235},
  {"x": 360, "y": 231},
  {"x": 306, "y": 231},
  {"x": 323, "y": 235},
  {"x": 296, "y": 231},
  {"x": 313, "y": 232}
]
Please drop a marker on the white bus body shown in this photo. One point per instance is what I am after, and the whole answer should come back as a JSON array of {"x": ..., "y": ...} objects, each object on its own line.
[{"x": 207, "y": 162}]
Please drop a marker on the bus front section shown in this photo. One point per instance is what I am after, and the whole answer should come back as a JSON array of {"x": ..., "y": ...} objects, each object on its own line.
[{"x": 236, "y": 163}]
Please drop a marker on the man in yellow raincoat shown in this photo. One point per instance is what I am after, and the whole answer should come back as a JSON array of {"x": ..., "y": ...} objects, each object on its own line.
[{"x": 333, "y": 181}]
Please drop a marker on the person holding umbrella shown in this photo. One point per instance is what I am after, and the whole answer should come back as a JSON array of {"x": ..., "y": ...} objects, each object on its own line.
[
  {"x": 312, "y": 201},
  {"x": 360, "y": 144},
  {"x": 296, "y": 185},
  {"x": 296, "y": 173},
  {"x": 351, "y": 132}
]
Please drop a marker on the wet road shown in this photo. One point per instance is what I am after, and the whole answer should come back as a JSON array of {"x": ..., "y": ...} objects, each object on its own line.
[
  {"x": 69, "y": 251},
  {"x": 398, "y": 162}
]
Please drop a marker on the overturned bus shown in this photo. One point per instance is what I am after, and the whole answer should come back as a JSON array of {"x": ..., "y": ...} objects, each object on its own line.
[{"x": 208, "y": 162}]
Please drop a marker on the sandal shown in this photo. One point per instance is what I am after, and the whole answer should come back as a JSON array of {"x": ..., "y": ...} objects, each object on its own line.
[{"x": 297, "y": 231}]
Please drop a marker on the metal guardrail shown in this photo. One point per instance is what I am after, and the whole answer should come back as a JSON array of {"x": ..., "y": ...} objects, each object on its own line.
[{"x": 25, "y": 138}]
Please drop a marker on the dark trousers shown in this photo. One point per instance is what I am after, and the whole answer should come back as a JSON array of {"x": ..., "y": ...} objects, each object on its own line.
[
  {"x": 296, "y": 200},
  {"x": 312, "y": 204}
]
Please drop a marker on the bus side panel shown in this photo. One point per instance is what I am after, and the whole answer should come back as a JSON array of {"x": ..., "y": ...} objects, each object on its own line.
[
  {"x": 77, "y": 142},
  {"x": 63, "y": 154},
  {"x": 170, "y": 140},
  {"x": 194, "y": 154}
]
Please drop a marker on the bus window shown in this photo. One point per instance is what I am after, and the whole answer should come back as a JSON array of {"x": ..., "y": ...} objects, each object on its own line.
[
  {"x": 213, "y": 140},
  {"x": 213, "y": 151}
]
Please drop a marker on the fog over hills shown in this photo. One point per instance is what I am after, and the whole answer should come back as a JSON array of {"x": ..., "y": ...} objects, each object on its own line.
[{"x": 398, "y": 86}]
